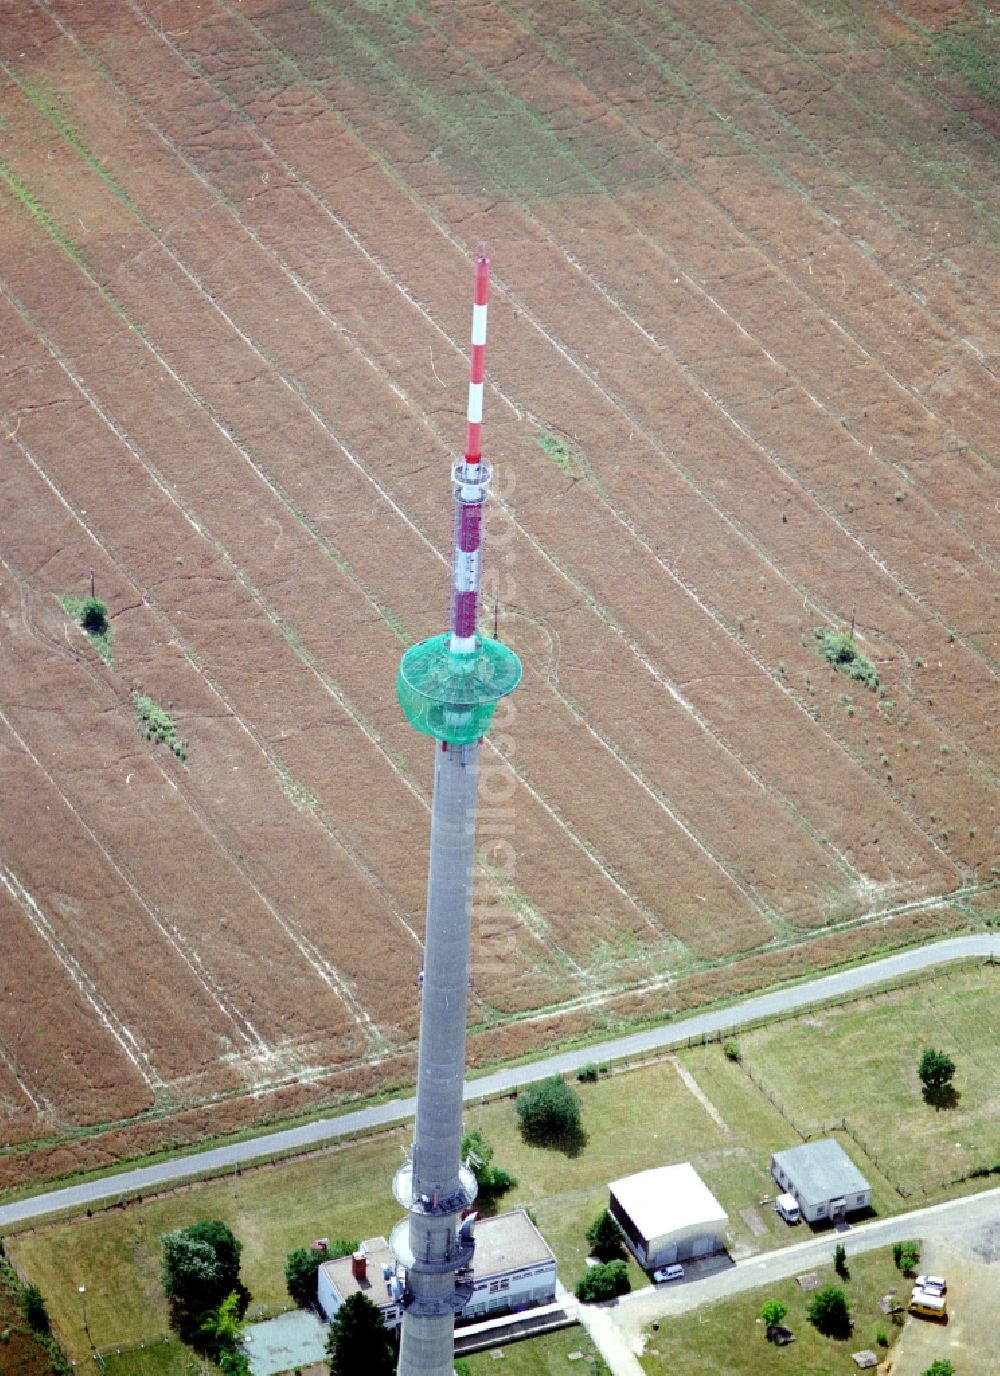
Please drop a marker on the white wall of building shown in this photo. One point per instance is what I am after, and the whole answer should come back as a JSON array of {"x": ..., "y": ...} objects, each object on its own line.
[{"x": 535, "y": 1285}]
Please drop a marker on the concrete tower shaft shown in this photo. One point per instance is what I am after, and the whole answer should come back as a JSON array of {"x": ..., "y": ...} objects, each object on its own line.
[
  {"x": 435, "y": 1187},
  {"x": 448, "y": 687}
]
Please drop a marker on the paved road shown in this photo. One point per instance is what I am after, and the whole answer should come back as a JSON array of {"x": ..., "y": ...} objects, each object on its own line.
[{"x": 220, "y": 1159}]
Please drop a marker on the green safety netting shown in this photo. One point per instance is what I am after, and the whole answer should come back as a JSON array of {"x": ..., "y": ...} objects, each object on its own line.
[{"x": 450, "y": 696}]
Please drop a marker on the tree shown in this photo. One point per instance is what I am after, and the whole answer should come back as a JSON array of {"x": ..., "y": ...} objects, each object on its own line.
[
  {"x": 492, "y": 1180},
  {"x": 357, "y": 1341},
  {"x": 840, "y": 1261},
  {"x": 227, "y": 1248},
  {"x": 94, "y": 616},
  {"x": 772, "y": 1312},
  {"x": 941, "y": 1367},
  {"x": 605, "y": 1237},
  {"x": 828, "y": 1312},
  {"x": 200, "y": 1268},
  {"x": 604, "y": 1283},
  {"x": 192, "y": 1277},
  {"x": 549, "y": 1112},
  {"x": 303, "y": 1263},
  {"x": 935, "y": 1070},
  {"x": 906, "y": 1255},
  {"x": 36, "y": 1316}
]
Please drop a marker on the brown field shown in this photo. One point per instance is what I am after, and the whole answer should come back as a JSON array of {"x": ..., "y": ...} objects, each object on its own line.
[{"x": 745, "y": 273}]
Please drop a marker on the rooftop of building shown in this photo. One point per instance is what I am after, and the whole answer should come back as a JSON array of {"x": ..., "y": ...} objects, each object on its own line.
[
  {"x": 821, "y": 1170},
  {"x": 667, "y": 1199},
  {"x": 506, "y": 1243}
]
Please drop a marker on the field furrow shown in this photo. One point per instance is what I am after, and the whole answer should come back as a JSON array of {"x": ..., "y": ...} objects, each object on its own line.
[{"x": 741, "y": 384}]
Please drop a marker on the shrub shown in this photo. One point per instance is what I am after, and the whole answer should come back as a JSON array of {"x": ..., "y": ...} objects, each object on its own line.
[
  {"x": 549, "y": 1112},
  {"x": 772, "y": 1312},
  {"x": 935, "y": 1070},
  {"x": 732, "y": 1052},
  {"x": 94, "y": 616},
  {"x": 605, "y": 1237},
  {"x": 604, "y": 1283},
  {"x": 587, "y": 1074},
  {"x": 828, "y": 1312},
  {"x": 840, "y": 1260},
  {"x": 940, "y": 1367},
  {"x": 36, "y": 1316},
  {"x": 839, "y": 649},
  {"x": 491, "y": 1180},
  {"x": 906, "y": 1255}
]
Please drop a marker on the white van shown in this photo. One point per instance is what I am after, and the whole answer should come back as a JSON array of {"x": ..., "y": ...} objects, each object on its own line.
[{"x": 787, "y": 1207}]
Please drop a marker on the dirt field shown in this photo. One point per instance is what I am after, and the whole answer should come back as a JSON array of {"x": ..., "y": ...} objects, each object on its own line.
[{"x": 745, "y": 275}]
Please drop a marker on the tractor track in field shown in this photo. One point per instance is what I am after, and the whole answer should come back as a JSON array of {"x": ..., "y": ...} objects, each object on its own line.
[
  {"x": 615, "y": 750},
  {"x": 426, "y": 209},
  {"x": 257, "y": 392},
  {"x": 320, "y": 964}
]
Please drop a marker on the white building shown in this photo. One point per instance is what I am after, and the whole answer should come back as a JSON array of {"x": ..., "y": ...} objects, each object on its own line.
[
  {"x": 823, "y": 1178},
  {"x": 513, "y": 1269},
  {"x": 668, "y": 1214}
]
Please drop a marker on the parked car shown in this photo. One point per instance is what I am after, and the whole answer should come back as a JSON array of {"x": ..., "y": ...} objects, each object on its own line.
[
  {"x": 937, "y": 1285},
  {"x": 668, "y": 1273}
]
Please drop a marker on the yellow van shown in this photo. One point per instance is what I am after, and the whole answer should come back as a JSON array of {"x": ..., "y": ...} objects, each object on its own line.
[{"x": 928, "y": 1305}]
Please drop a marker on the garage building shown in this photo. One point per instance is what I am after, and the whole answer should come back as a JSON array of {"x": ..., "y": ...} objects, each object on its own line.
[
  {"x": 668, "y": 1214},
  {"x": 823, "y": 1178}
]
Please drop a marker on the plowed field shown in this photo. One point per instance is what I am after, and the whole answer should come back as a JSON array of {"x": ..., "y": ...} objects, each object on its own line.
[{"x": 742, "y": 383}]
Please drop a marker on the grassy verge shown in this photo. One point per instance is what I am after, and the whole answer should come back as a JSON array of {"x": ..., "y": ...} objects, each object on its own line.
[
  {"x": 728, "y": 1339},
  {"x": 871, "y": 1078},
  {"x": 633, "y": 1119},
  {"x": 545, "y": 1356}
]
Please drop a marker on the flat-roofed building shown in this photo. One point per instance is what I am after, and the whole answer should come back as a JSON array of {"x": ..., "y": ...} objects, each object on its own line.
[
  {"x": 823, "y": 1178},
  {"x": 668, "y": 1214},
  {"x": 513, "y": 1268}
]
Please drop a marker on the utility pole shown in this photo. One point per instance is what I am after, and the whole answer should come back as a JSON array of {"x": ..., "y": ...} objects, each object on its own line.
[{"x": 448, "y": 687}]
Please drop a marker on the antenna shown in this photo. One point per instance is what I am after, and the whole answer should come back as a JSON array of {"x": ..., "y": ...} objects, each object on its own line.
[{"x": 449, "y": 687}]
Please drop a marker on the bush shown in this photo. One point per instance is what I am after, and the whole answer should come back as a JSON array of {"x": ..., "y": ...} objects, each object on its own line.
[
  {"x": 773, "y": 1312},
  {"x": 935, "y": 1070},
  {"x": 549, "y": 1112},
  {"x": 941, "y": 1367},
  {"x": 732, "y": 1052},
  {"x": 906, "y": 1255},
  {"x": 840, "y": 1260},
  {"x": 491, "y": 1180},
  {"x": 604, "y": 1283},
  {"x": 605, "y": 1237},
  {"x": 838, "y": 648},
  {"x": 36, "y": 1316},
  {"x": 303, "y": 1263},
  {"x": 587, "y": 1074},
  {"x": 828, "y": 1312},
  {"x": 94, "y": 616}
]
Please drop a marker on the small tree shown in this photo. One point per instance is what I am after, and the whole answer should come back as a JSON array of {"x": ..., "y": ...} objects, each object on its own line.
[
  {"x": 840, "y": 1260},
  {"x": 906, "y": 1255},
  {"x": 191, "y": 1275},
  {"x": 772, "y": 1312},
  {"x": 549, "y": 1112},
  {"x": 935, "y": 1070},
  {"x": 302, "y": 1264},
  {"x": 604, "y": 1283},
  {"x": 828, "y": 1312},
  {"x": 941, "y": 1367},
  {"x": 36, "y": 1316},
  {"x": 357, "y": 1341},
  {"x": 492, "y": 1180},
  {"x": 94, "y": 616},
  {"x": 605, "y": 1237}
]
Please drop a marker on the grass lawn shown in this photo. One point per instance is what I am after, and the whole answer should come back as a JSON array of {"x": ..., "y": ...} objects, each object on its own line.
[
  {"x": 726, "y": 1339},
  {"x": 545, "y": 1356},
  {"x": 859, "y": 1062}
]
